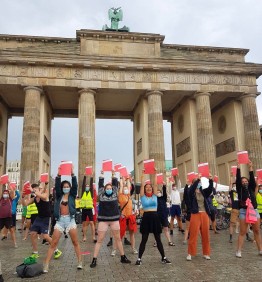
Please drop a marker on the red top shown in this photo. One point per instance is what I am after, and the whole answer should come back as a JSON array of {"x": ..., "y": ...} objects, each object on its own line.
[{"x": 5, "y": 208}]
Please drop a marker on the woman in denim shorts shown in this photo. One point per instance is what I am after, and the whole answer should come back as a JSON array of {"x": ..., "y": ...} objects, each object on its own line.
[{"x": 64, "y": 213}]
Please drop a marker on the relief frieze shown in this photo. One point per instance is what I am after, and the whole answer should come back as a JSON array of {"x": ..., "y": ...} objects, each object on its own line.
[
  {"x": 126, "y": 75},
  {"x": 183, "y": 147},
  {"x": 225, "y": 147}
]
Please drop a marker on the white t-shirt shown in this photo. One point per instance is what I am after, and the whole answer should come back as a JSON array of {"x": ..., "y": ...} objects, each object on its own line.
[{"x": 175, "y": 197}]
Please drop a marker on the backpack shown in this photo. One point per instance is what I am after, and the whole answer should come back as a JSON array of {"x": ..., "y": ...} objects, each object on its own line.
[{"x": 28, "y": 271}]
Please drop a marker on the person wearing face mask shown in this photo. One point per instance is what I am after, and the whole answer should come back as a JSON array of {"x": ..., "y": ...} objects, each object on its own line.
[
  {"x": 127, "y": 217},
  {"x": 87, "y": 206},
  {"x": 162, "y": 212},
  {"x": 246, "y": 190},
  {"x": 234, "y": 217},
  {"x": 259, "y": 201},
  {"x": 199, "y": 221},
  {"x": 175, "y": 210},
  {"x": 108, "y": 216},
  {"x": 6, "y": 199},
  {"x": 39, "y": 196},
  {"x": 150, "y": 221},
  {"x": 64, "y": 213}
]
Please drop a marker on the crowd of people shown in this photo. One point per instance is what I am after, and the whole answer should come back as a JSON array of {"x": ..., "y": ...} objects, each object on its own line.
[{"x": 50, "y": 215}]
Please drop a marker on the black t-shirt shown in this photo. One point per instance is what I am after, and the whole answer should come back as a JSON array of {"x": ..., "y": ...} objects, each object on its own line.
[
  {"x": 234, "y": 199},
  {"x": 43, "y": 208}
]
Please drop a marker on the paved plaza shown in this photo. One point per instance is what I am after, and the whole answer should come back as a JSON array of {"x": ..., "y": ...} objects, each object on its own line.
[{"x": 223, "y": 266}]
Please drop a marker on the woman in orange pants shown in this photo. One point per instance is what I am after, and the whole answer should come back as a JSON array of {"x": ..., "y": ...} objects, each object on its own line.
[{"x": 199, "y": 218}]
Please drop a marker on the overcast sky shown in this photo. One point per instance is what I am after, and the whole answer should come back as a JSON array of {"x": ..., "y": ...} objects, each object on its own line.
[{"x": 226, "y": 23}]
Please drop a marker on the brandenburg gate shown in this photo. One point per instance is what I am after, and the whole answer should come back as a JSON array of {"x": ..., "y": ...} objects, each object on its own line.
[{"x": 207, "y": 93}]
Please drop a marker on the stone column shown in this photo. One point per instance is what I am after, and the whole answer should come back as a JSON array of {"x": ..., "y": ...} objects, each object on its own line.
[
  {"x": 205, "y": 139},
  {"x": 251, "y": 129},
  {"x": 155, "y": 129},
  {"x": 31, "y": 136},
  {"x": 87, "y": 117}
]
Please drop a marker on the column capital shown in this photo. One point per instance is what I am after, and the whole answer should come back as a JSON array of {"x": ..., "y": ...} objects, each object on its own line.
[
  {"x": 199, "y": 93},
  {"x": 87, "y": 90},
  {"x": 31, "y": 87},
  {"x": 248, "y": 95},
  {"x": 153, "y": 92}
]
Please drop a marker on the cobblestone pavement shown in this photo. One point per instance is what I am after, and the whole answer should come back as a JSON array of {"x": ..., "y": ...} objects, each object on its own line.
[{"x": 223, "y": 266}]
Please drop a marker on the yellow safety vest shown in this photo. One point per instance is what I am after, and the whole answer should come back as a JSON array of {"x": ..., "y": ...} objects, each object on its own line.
[
  {"x": 259, "y": 202},
  {"x": 214, "y": 202},
  {"x": 86, "y": 201},
  {"x": 31, "y": 209},
  {"x": 78, "y": 202}
]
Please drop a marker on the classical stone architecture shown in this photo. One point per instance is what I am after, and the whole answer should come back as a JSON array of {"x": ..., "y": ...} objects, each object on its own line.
[{"x": 207, "y": 93}]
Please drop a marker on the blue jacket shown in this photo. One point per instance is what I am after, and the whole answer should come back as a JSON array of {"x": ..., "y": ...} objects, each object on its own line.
[
  {"x": 205, "y": 192},
  {"x": 59, "y": 195},
  {"x": 15, "y": 201}
]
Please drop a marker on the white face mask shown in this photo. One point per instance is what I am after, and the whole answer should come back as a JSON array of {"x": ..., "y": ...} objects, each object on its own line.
[{"x": 126, "y": 192}]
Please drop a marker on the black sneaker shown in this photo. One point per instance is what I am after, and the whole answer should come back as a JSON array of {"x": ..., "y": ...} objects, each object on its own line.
[
  {"x": 230, "y": 240},
  {"x": 1, "y": 278},
  {"x": 3, "y": 238},
  {"x": 182, "y": 230},
  {"x": 124, "y": 259},
  {"x": 138, "y": 262},
  {"x": 110, "y": 243},
  {"x": 171, "y": 232},
  {"x": 66, "y": 236},
  {"x": 166, "y": 261},
  {"x": 44, "y": 241},
  {"x": 126, "y": 242},
  {"x": 93, "y": 263}
]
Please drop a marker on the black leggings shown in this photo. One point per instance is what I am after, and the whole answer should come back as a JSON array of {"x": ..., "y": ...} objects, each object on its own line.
[{"x": 143, "y": 245}]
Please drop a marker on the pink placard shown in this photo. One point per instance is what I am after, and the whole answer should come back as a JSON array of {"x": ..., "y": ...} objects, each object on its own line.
[
  {"x": 123, "y": 171},
  {"x": 191, "y": 176},
  {"x": 215, "y": 179},
  {"x": 4, "y": 179},
  {"x": 234, "y": 170},
  {"x": 44, "y": 177},
  {"x": 171, "y": 179},
  {"x": 159, "y": 178},
  {"x": 89, "y": 170},
  {"x": 116, "y": 167},
  {"x": 148, "y": 181},
  {"x": 259, "y": 176},
  {"x": 107, "y": 165},
  {"x": 66, "y": 168},
  {"x": 26, "y": 188},
  {"x": 242, "y": 157},
  {"x": 12, "y": 185},
  {"x": 203, "y": 169},
  {"x": 174, "y": 171},
  {"x": 149, "y": 166}
]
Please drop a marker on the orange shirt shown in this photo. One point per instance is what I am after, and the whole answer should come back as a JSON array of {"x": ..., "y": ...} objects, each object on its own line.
[{"x": 122, "y": 199}]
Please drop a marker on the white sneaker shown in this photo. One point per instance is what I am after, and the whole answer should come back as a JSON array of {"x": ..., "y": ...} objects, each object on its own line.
[
  {"x": 80, "y": 265},
  {"x": 135, "y": 251},
  {"x": 188, "y": 257},
  {"x": 206, "y": 257},
  {"x": 45, "y": 268},
  {"x": 113, "y": 253},
  {"x": 238, "y": 254}
]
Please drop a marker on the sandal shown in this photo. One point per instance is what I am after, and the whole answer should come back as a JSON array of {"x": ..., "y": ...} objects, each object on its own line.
[{"x": 171, "y": 244}]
